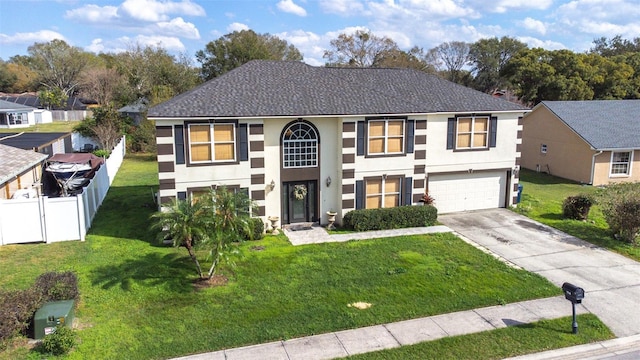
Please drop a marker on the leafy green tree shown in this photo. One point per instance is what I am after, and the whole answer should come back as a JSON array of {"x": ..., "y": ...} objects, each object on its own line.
[
  {"x": 106, "y": 126},
  {"x": 7, "y": 78},
  {"x": 185, "y": 223},
  {"x": 360, "y": 49},
  {"x": 239, "y": 47},
  {"x": 52, "y": 98},
  {"x": 615, "y": 46},
  {"x": 620, "y": 204},
  {"x": 488, "y": 57},
  {"x": 58, "y": 65},
  {"x": 229, "y": 222},
  {"x": 412, "y": 59}
]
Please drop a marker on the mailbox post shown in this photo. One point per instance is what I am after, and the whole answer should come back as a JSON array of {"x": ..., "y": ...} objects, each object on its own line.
[{"x": 575, "y": 295}]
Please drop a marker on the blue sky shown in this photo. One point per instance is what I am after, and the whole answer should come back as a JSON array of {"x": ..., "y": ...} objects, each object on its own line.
[{"x": 186, "y": 26}]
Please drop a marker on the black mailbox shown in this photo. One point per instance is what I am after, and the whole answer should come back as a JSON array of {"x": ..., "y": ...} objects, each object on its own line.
[{"x": 573, "y": 293}]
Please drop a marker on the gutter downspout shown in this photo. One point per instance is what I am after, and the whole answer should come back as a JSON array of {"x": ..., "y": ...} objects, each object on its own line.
[{"x": 593, "y": 166}]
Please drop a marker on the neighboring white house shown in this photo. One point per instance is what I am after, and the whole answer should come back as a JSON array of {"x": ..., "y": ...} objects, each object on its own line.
[
  {"x": 14, "y": 115},
  {"x": 303, "y": 140}
]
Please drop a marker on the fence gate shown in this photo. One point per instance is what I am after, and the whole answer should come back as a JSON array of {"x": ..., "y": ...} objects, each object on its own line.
[{"x": 26, "y": 212}]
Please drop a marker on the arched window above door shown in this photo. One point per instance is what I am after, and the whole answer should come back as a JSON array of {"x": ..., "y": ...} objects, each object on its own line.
[{"x": 299, "y": 146}]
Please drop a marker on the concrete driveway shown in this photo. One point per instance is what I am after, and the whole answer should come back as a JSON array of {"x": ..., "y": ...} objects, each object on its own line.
[{"x": 611, "y": 281}]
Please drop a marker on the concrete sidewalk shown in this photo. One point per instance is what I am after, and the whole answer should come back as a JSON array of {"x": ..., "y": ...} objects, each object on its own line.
[{"x": 373, "y": 338}]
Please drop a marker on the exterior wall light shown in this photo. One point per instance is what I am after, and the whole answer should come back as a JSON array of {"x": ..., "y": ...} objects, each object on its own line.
[{"x": 328, "y": 181}]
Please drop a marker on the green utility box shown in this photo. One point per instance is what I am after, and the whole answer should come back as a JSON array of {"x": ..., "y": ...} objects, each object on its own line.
[{"x": 51, "y": 315}]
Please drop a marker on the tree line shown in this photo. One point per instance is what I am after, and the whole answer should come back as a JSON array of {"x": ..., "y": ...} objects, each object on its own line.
[{"x": 56, "y": 70}]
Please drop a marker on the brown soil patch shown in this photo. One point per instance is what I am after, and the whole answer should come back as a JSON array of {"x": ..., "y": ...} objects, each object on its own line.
[{"x": 216, "y": 280}]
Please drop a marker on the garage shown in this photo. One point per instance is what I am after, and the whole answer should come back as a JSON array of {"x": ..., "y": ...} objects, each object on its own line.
[{"x": 468, "y": 191}]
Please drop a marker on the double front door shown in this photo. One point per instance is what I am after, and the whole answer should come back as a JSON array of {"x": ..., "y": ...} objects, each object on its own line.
[{"x": 299, "y": 201}]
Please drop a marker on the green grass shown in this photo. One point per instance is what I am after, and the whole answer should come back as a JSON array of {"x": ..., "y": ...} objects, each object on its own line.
[
  {"x": 138, "y": 299},
  {"x": 501, "y": 343},
  {"x": 542, "y": 198},
  {"x": 56, "y": 126}
]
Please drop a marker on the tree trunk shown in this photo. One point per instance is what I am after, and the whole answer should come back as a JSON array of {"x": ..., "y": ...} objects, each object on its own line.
[{"x": 195, "y": 260}]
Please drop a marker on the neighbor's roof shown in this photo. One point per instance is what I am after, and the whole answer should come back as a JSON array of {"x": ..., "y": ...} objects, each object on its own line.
[
  {"x": 289, "y": 88},
  {"x": 30, "y": 140},
  {"x": 73, "y": 103},
  {"x": 14, "y": 161},
  {"x": 603, "y": 124},
  {"x": 8, "y": 106}
]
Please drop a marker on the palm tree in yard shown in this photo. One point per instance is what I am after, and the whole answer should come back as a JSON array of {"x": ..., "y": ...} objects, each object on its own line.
[
  {"x": 185, "y": 223},
  {"x": 230, "y": 214}
]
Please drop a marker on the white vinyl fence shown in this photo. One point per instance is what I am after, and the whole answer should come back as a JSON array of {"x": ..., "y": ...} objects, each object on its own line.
[{"x": 50, "y": 220}]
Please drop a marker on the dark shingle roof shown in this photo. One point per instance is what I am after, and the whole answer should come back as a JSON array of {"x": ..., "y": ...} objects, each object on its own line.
[
  {"x": 8, "y": 106},
  {"x": 287, "y": 88},
  {"x": 603, "y": 124},
  {"x": 73, "y": 103},
  {"x": 30, "y": 140}
]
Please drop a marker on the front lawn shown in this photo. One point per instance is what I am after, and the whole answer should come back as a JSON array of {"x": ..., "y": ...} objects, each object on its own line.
[
  {"x": 542, "y": 198},
  {"x": 138, "y": 300}
]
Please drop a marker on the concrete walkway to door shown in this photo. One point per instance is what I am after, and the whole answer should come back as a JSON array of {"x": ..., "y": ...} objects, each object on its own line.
[{"x": 611, "y": 281}]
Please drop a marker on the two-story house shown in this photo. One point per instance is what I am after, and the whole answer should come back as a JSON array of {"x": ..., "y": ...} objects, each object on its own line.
[{"x": 304, "y": 140}]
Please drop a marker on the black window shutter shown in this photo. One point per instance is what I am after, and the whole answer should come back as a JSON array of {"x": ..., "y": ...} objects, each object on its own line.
[
  {"x": 493, "y": 131},
  {"x": 360, "y": 135},
  {"x": 178, "y": 139},
  {"x": 244, "y": 142},
  {"x": 408, "y": 190},
  {"x": 451, "y": 133},
  {"x": 410, "y": 136},
  {"x": 182, "y": 195},
  {"x": 359, "y": 194}
]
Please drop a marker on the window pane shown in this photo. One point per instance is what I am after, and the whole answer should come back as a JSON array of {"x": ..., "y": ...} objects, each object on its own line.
[
  {"x": 464, "y": 141},
  {"x": 481, "y": 124},
  {"x": 199, "y": 133},
  {"x": 376, "y": 128},
  {"x": 376, "y": 146},
  {"x": 374, "y": 202},
  {"x": 621, "y": 157},
  {"x": 395, "y": 145},
  {"x": 479, "y": 140},
  {"x": 392, "y": 186},
  {"x": 391, "y": 200},
  {"x": 224, "y": 151},
  {"x": 223, "y": 132},
  {"x": 395, "y": 128},
  {"x": 374, "y": 187},
  {"x": 464, "y": 125},
  {"x": 201, "y": 152}
]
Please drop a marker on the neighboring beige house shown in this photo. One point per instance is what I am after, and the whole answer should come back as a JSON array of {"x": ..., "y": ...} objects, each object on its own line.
[
  {"x": 593, "y": 142},
  {"x": 20, "y": 172},
  {"x": 303, "y": 140}
]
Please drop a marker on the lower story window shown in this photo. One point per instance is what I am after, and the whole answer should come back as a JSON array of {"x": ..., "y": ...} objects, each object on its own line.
[
  {"x": 383, "y": 192},
  {"x": 621, "y": 163}
]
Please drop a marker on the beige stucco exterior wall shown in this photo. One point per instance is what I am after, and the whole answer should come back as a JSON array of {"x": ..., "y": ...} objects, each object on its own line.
[
  {"x": 603, "y": 168},
  {"x": 25, "y": 180},
  {"x": 567, "y": 156}
]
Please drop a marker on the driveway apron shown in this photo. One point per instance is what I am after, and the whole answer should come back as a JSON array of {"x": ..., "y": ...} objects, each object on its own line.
[{"x": 611, "y": 281}]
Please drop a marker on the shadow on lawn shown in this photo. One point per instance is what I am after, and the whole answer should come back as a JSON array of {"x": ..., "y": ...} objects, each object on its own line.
[{"x": 150, "y": 270}]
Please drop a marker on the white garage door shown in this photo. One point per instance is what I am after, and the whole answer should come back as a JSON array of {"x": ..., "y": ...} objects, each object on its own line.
[{"x": 468, "y": 191}]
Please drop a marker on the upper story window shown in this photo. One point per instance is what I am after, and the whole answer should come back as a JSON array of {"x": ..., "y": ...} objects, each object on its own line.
[
  {"x": 300, "y": 146},
  {"x": 212, "y": 142},
  {"x": 472, "y": 132},
  {"x": 621, "y": 162},
  {"x": 385, "y": 137},
  {"x": 543, "y": 148}
]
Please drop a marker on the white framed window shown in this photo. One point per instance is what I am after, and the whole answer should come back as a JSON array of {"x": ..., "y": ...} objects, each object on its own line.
[
  {"x": 543, "y": 148},
  {"x": 621, "y": 163},
  {"x": 212, "y": 143},
  {"x": 385, "y": 136},
  {"x": 299, "y": 146},
  {"x": 472, "y": 132},
  {"x": 383, "y": 192}
]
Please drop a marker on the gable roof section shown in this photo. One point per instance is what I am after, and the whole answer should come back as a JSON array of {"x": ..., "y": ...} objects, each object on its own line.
[
  {"x": 14, "y": 161},
  {"x": 289, "y": 88},
  {"x": 30, "y": 140},
  {"x": 603, "y": 124},
  {"x": 10, "y": 106}
]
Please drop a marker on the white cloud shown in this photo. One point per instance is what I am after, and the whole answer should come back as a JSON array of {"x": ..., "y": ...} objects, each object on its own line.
[
  {"x": 308, "y": 43},
  {"x": 545, "y": 44},
  {"x": 31, "y": 37},
  {"x": 154, "y": 10},
  {"x": 534, "y": 25},
  {"x": 289, "y": 6},
  {"x": 178, "y": 27},
  {"x": 237, "y": 27},
  {"x": 125, "y": 43},
  {"x": 341, "y": 7},
  {"x": 97, "y": 46},
  {"x": 93, "y": 14},
  {"x": 503, "y": 6}
]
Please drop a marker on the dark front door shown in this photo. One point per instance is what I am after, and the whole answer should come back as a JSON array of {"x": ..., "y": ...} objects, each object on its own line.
[{"x": 299, "y": 201}]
